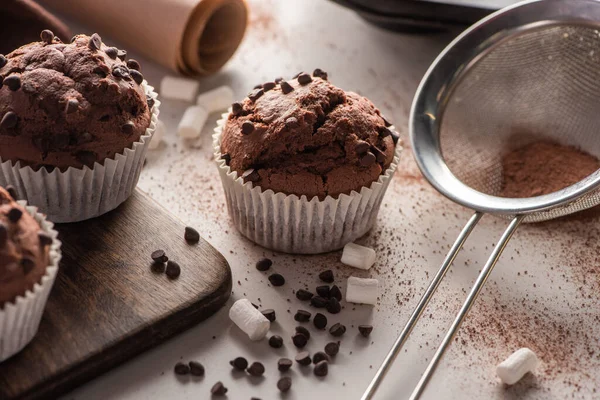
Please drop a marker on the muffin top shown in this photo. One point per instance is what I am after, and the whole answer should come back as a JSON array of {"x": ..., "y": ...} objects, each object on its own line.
[
  {"x": 24, "y": 249},
  {"x": 69, "y": 105},
  {"x": 307, "y": 137}
]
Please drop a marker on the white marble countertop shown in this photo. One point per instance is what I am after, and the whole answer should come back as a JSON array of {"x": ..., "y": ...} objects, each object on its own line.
[{"x": 543, "y": 293}]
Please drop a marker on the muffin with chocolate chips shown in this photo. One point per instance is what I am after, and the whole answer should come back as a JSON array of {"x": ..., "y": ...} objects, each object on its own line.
[
  {"x": 305, "y": 164},
  {"x": 29, "y": 256},
  {"x": 69, "y": 108}
]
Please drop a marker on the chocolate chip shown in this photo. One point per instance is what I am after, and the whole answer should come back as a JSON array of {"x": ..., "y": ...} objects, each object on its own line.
[
  {"x": 251, "y": 175},
  {"x": 95, "y": 42},
  {"x": 237, "y": 108},
  {"x": 102, "y": 71},
  {"x": 304, "y": 79},
  {"x": 27, "y": 264},
  {"x": 86, "y": 157},
  {"x": 320, "y": 356},
  {"x": 71, "y": 106},
  {"x": 320, "y": 74},
  {"x": 276, "y": 279},
  {"x": 302, "y": 316},
  {"x": 368, "y": 159},
  {"x": 256, "y": 369},
  {"x": 291, "y": 122},
  {"x": 182, "y": 369},
  {"x": 159, "y": 256},
  {"x": 276, "y": 341},
  {"x": 334, "y": 306},
  {"x": 297, "y": 75},
  {"x": 255, "y": 306},
  {"x": 13, "y": 82},
  {"x": 286, "y": 87},
  {"x": 255, "y": 94},
  {"x": 226, "y": 157},
  {"x": 278, "y": 79},
  {"x": 321, "y": 368},
  {"x": 157, "y": 267},
  {"x": 218, "y": 389},
  {"x": 395, "y": 137},
  {"x": 264, "y": 264},
  {"x": 14, "y": 215},
  {"x": 247, "y": 128},
  {"x": 323, "y": 291},
  {"x": 269, "y": 313},
  {"x": 365, "y": 330},
  {"x": 303, "y": 331},
  {"x": 268, "y": 86},
  {"x": 284, "y": 364},
  {"x": 12, "y": 192},
  {"x": 326, "y": 276},
  {"x": 45, "y": 239},
  {"x": 303, "y": 295},
  {"x": 173, "y": 270},
  {"x": 47, "y": 36},
  {"x": 379, "y": 155},
  {"x": 120, "y": 71},
  {"x": 299, "y": 340},
  {"x": 320, "y": 321},
  {"x": 191, "y": 235},
  {"x": 3, "y": 60},
  {"x": 111, "y": 52},
  {"x": 84, "y": 138},
  {"x": 239, "y": 363},
  {"x": 9, "y": 120},
  {"x": 133, "y": 64},
  {"x": 332, "y": 348},
  {"x": 122, "y": 54},
  {"x": 259, "y": 86},
  {"x": 137, "y": 76},
  {"x": 303, "y": 358},
  {"x": 196, "y": 368},
  {"x": 385, "y": 121},
  {"x": 284, "y": 384},
  {"x": 3, "y": 235},
  {"x": 362, "y": 147},
  {"x": 318, "y": 302},
  {"x": 384, "y": 132},
  {"x": 335, "y": 293},
  {"x": 337, "y": 330},
  {"x": 128, "y": 127}
]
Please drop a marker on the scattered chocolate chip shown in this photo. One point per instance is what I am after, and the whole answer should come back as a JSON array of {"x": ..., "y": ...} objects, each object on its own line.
[
  {"x": 268, "y": 86},
  {"x": 321, "y": 368},
  {"x": 218, "y": 389},
  {"x": 299, "y": 340},
  {"x": 303, "y": 295},
  {"x": 337, "y": 330},
  {"x": 256, "y": 369},
  {"x": 13, "y": 82},
  {"x": 3, "y": 234},
  {"x": 323, "y": 291},
  {"x": 304, "y": 79},
  {"x": 45, "y": 239},
  {"x": 133, "y": 64},
  {"x": 95, "y": 42},
  {"x": 362, "y": 147},
  {"x": 264, "y": 264},
  {"x": 302, "y": 316},
  {"x": 12, "y": 192},
  {"x": 320, "y": 74},
  {"x": 286, "y": 87},
  {"x": 157, "y": 267},
  {"x": 395, "y": 137},
  {"x": 297, "y": 75},
  {"x": 269, "y": 314},
  {"x": 320, "y": 321},
  {"x": 71, "y": 106},
  {"x": 326, "y": 276},
  {"x": 332, "y": 348},
  {"x": 84, "y": 138},
  {"x": 284, "y": 364},
  {"x": 226, "y": 157},
  {"x": 365, "y": 330},
  {"x": 191, "y": 235},
  {"x": 102, "y": 71},
  {"x": 247, "y": 128},
  {"x": 303, "y": 331},
  {"x": 276, "y": 279},
  {"x": 14, "y": 215},
  {"x": 276, "y": 341},
  {"x": 128, "y": 127},
  {"x": 255, "y": 94},
  {"x": 120, "y": 71},
  {"x": 320, "y": 356},
  {"x": 3, "y": 60},
  {"x": 303, "y": 358},
  {"x": 251, "y": 175},
  {"x": 196, "y": 368},
  {"x": 379, "y": 155},
  {"x": 47, "y": 36},
  {"x": 182, "y": 369},
  {"x": 173, "y": 270},
  {"x": 291, "y": 122},
  {"x": 284, "y": 384},
  {"x": 368, "y": 159},
  {"x": 27, "y": 264},
  {"x": 150, "y": 102},
  {"x": 111, "y": 52},
  {"x": 159, "y": 256},
  {"x": 335, "y": 293},
  {"x": 385, "y": 121},
  {"x": 122, "y": 54},
  {"x": 384, "y": 132},
  {"x": 239, "y": 363},
  {"x": 237, "y": 108},
  {"x": 318, "y": 302},
  {"x": 9, "y": 120},
  {"x": 334, "y": 306},
  {"x": 86, "y": 157},
  {"x": 137, "y": 76},
  {"x": 278, "y": 79}
]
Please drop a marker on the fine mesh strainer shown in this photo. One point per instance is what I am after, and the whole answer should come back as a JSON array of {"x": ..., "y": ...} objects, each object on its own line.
[{"x": 525, "y": 73}]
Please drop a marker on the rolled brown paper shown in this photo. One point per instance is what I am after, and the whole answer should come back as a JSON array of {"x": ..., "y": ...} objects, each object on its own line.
[{"x": 194, "y": 37}]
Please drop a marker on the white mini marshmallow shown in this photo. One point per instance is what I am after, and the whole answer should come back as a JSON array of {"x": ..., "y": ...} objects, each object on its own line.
[
  {"x": 159, "y": 132},
  {"x": 358, "y": 256},
  {"x": 192, "y": 122},
  {"x": 216, "y": 100},
  {"x": 361, "y": 290},
  {"x": 172, "y": 87},
  {"x": 522, "y": 361},
  {"x": 249, "y": 319}
]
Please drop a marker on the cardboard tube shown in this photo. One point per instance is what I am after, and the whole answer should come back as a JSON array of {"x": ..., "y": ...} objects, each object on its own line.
[{"x": 193, "y": 37}]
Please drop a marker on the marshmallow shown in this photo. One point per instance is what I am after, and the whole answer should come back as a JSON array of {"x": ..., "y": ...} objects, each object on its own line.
[
  {"x": 159, "y": 132},
  {"x": 358, "y": 256},
  {"x": 192, "y": 122},
  {"x": 360, "y": 290},
  {"x": 249, "y": 319},
  {"x": 172, "y": 87},
  {"x": 522, "y": 361},
  {"x": 216, "y": 100}
]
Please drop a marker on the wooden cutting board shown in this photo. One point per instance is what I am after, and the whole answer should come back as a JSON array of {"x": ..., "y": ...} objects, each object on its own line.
[{"x": 107, "y": 304}]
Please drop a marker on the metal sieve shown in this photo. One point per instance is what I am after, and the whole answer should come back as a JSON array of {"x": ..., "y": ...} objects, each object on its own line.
[{"x": 526, "y": 72}]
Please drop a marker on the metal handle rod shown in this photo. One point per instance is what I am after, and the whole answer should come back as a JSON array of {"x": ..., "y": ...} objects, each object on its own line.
[
  {"x": 416, "y": 314},
  {"x": 475, "y": 290}
]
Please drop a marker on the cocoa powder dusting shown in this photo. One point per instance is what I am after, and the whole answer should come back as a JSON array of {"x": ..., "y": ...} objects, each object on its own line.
[{"x": 544, "y": 167}]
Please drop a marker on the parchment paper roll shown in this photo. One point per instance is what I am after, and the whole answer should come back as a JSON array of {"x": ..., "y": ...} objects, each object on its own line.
[{"x": 194, "y": 37}]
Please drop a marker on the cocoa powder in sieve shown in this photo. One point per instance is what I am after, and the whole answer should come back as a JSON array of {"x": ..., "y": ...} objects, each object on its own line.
[{"x": 544, "y": 167}]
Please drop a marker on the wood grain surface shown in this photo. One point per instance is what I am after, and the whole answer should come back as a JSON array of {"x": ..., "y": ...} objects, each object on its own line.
[{"x": 108, "y": 305}]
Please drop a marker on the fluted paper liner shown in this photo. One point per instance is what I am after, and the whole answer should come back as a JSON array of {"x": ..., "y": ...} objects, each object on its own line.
[
  {"x": 19, "y": 320},
  {"x": 293, "y": 224},
  {"x": 78, "y": 194}
]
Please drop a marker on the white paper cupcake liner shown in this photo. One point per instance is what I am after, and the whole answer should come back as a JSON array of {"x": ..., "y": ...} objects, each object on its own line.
[
  {"x": 78, "y": 194},
  {"x": 293, "y": 224},
  {"x": 19, "y": 320}
]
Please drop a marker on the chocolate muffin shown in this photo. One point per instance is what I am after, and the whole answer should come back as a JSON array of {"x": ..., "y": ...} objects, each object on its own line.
[
  {"x": 23, "y": 250},
  {"x": 69, "y": 105},
  {"x": 307, "y": 137}
]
